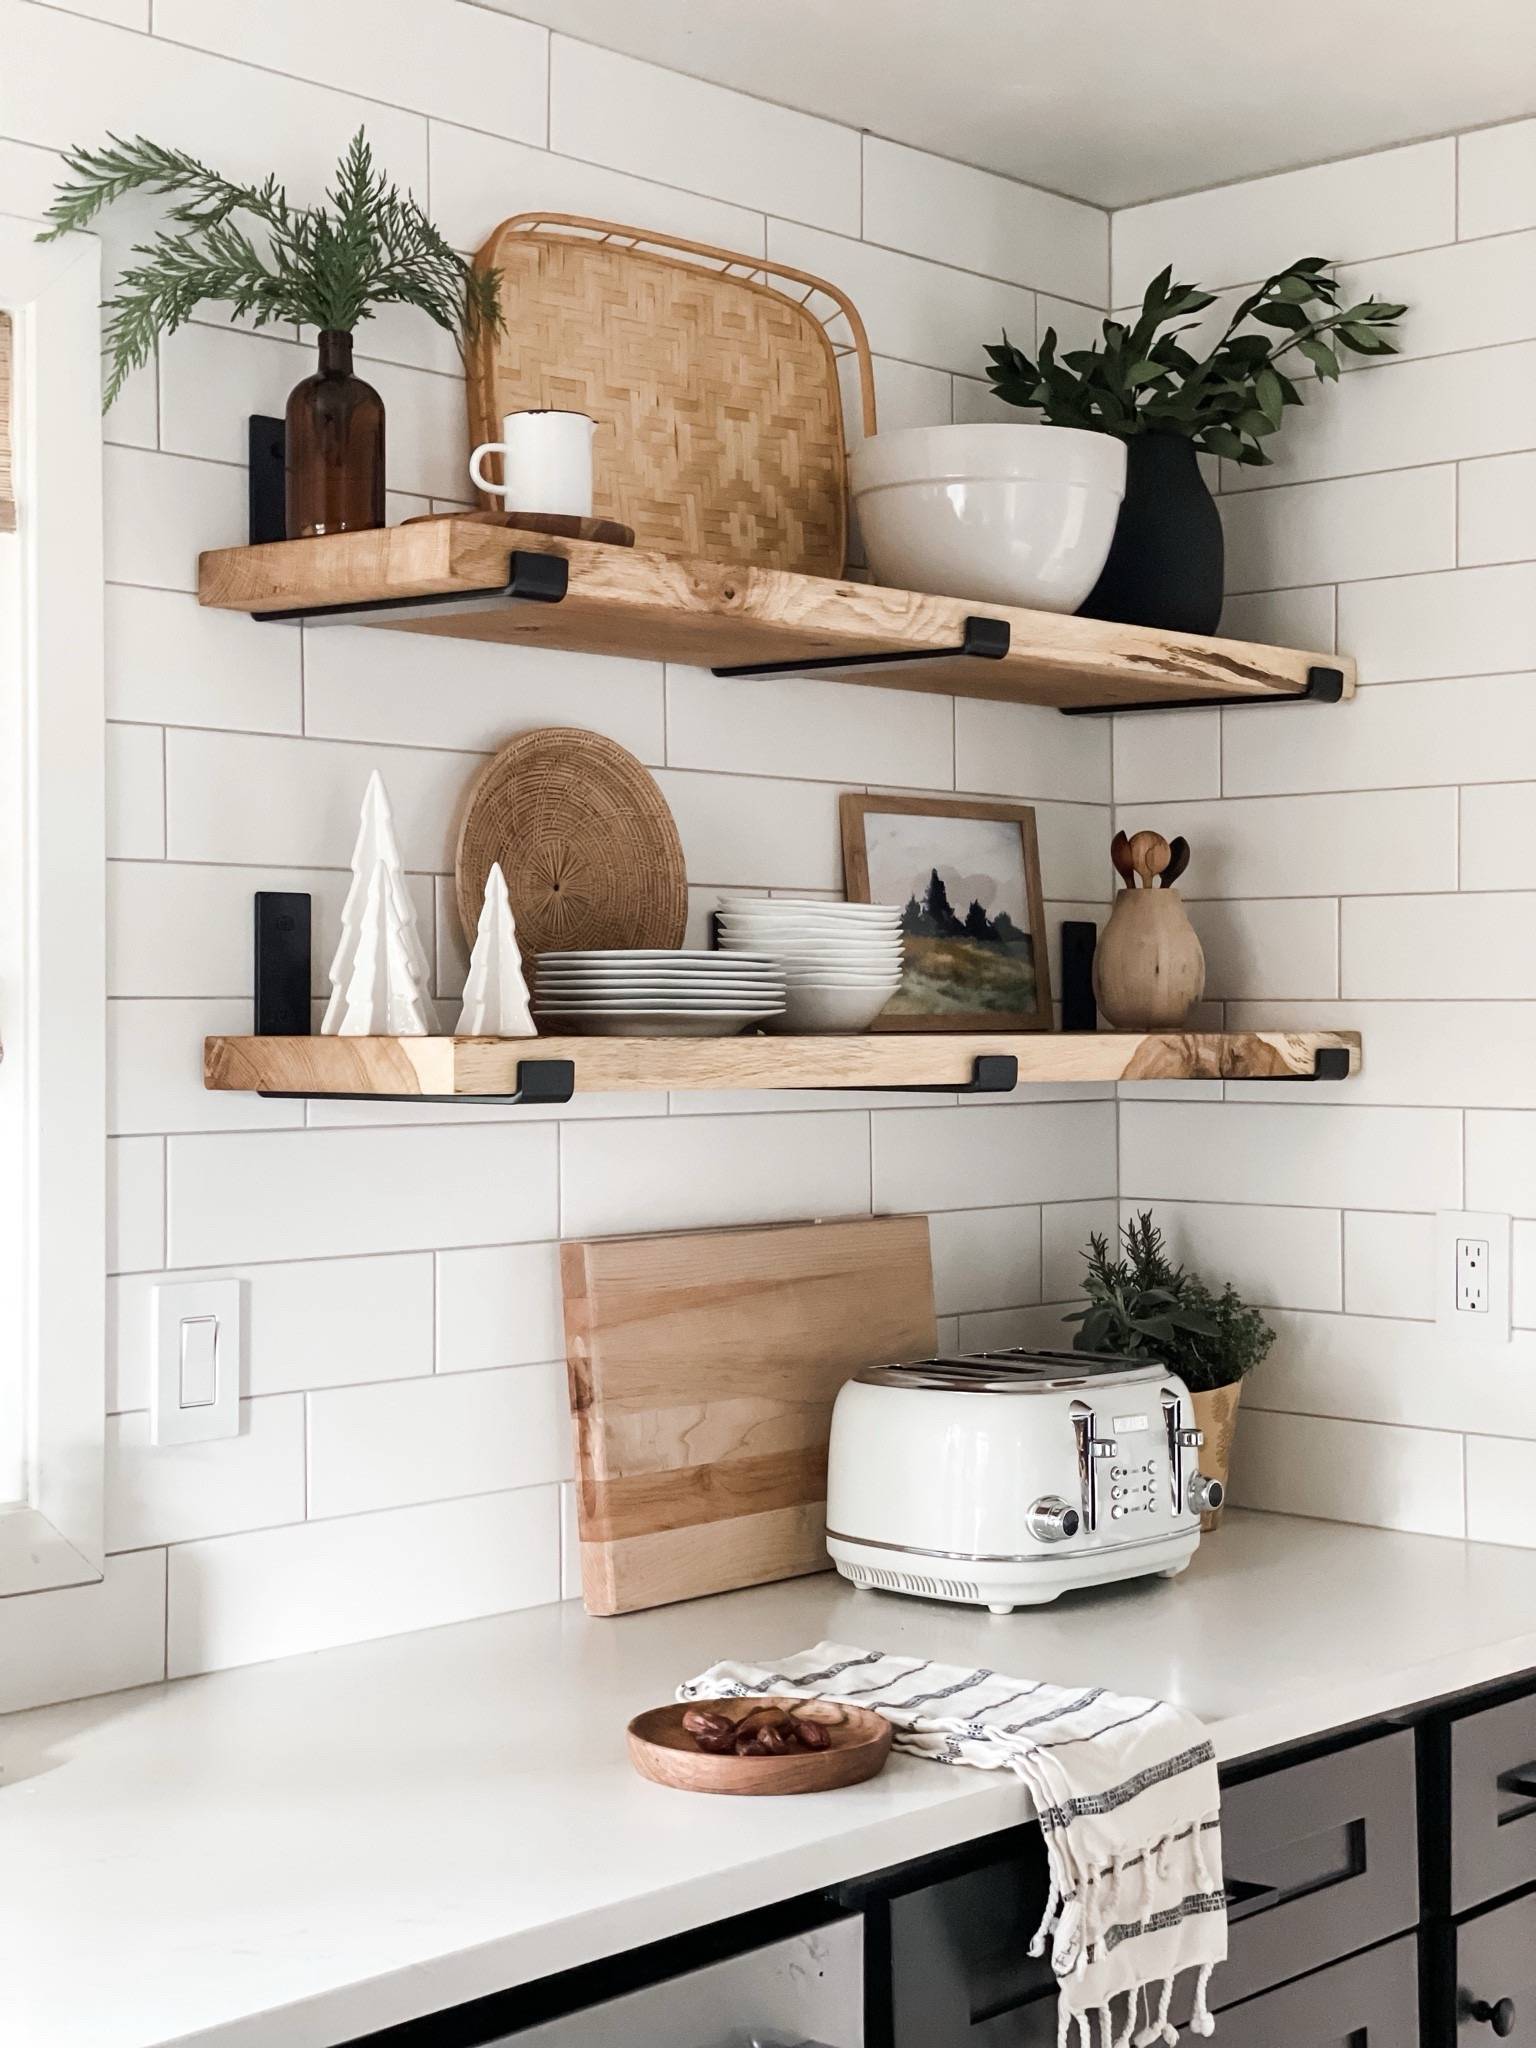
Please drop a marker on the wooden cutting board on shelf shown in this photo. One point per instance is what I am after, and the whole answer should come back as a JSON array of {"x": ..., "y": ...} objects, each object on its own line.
[{"x": 703, "y": 1365}]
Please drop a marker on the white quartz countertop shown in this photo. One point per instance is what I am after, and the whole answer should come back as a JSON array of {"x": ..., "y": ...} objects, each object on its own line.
[{"x": 291, "y": 1855}]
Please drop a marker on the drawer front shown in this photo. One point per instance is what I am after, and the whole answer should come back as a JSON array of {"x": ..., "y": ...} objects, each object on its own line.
[
  {"x": 1496, "y": 1968},
  {"x": 960, "y": 1977},
  {"x": 1321, "y": 1859},
  {"x": 1372, "y": 2001},
  {"x": 1493, "y": 1803}
]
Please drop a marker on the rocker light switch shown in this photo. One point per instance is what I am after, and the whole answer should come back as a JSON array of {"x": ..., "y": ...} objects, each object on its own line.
[{"x": 196, "y": 1327}]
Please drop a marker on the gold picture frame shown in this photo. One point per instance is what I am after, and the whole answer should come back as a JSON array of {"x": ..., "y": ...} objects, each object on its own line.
[{"x": 953, "y": 952}]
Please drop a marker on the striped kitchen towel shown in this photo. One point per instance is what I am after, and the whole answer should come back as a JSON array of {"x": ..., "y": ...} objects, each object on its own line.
[{"x": 1126, "y": 1794}]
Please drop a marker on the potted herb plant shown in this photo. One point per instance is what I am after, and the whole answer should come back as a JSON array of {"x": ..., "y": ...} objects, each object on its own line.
[
  {"x": 1141, "y": 1305},
  {"x": 1147, "y": 386},
  {"x": 328, "y": 267}
]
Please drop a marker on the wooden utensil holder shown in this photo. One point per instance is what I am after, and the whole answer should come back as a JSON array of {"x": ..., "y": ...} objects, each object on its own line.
[{"x": 1148, "y": 968}]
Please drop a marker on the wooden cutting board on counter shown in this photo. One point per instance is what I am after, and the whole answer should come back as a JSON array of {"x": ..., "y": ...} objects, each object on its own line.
[{"x": 703, "y": 1365}]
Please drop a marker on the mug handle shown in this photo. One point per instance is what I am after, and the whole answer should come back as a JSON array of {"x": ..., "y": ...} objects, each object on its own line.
[{"x": 481, "y": 482}]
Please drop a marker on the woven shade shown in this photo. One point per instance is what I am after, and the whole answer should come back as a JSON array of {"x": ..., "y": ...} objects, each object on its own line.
[
  {"x": 719, "y": 416},
  {"x": 588, "y": 847}
]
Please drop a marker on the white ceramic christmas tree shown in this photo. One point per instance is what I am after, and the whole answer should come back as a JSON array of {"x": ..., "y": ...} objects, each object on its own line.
[
  {"x": 495, "y": 993},
  {"x": 376, "y": 847},
  {"x": 383, "y": 996}
]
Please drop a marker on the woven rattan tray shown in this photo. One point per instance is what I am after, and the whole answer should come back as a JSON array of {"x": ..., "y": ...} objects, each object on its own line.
[{"x": 716, "y": 393}]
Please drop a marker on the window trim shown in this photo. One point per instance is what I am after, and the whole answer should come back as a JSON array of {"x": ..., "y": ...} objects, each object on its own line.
[{"x": 56, "y": 1042}]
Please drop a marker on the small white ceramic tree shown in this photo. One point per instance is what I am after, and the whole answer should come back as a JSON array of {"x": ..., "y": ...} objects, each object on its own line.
[
  {"x": 384, "y": 996},
  {"x": 376, "y": 846},
  {"x": 495, "y": 993}
]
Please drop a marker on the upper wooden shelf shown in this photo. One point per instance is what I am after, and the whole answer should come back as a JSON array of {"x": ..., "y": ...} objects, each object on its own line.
[
  {"x": 709, "y": 614},
  {"x": 470, "y": 1067}
]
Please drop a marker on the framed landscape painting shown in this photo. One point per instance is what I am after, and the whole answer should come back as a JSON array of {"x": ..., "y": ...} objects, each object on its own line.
[{"x": 966, "y": 877}]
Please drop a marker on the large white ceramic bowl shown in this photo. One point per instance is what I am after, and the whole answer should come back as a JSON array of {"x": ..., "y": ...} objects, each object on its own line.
[
  {"x": 1009, "y": 514},
  {"x": 830, "y": 1009}
]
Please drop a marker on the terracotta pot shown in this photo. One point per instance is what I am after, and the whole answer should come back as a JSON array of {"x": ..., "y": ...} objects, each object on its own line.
[
  {"x": 1148, "y": 967},
  {"x": 1216, "y": 1418}
]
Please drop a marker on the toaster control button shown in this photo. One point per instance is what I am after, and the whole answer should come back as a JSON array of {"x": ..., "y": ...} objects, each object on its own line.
[
  {"x": 1105, "y": 1447},
  {"x": 1204, "y": 1495},
  {"x": 1053, "y": 1521},
  {"x": 1190, "y": 1439}
]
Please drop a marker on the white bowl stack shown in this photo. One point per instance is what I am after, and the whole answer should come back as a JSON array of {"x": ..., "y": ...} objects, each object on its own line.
[
  {"x": 657, "y": 994},
  {"x": 841, "y": 962}
]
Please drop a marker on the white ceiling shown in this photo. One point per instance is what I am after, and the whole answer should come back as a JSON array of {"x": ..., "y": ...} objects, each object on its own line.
[{"x": 1115, "y": 101}]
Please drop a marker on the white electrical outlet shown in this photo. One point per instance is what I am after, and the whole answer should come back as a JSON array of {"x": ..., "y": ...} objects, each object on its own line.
[{"x": 1472, "y": 1275}]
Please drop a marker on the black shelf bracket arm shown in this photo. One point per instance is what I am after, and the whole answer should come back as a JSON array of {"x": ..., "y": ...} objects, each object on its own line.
[
  {"x": 981, "y": 640},
  {"x": 1324, "y": 686},
  {"x": 538, "y": 1081},
  {"x": 1329, "y": 1063},
  {"x": 992, "y": 1073}
]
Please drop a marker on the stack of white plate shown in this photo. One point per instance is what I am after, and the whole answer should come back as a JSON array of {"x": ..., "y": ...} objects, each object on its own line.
[
  {"x": 657, "y": 994},
  {"x": 841, "y": 961}
]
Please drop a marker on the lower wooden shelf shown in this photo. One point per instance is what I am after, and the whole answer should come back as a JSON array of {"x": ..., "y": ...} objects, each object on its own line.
[{"x": 472, "y": 1067}]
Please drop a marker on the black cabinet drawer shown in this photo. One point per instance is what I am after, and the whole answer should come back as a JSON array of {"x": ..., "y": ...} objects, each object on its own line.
[
  {"x": 1493, "y": 1803},
  {"x": 960, "y": 1977},
  {"x": 1321, "y": 1859},
  {"x": 1494, "y": 1979},
  {"x": 1371, "y": 2001}
]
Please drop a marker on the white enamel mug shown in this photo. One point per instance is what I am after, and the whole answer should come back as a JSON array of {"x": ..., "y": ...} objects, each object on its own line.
[{"x": 546, "y": 463}]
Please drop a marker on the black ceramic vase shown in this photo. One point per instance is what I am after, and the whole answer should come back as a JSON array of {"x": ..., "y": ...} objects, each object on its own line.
[{"x": 1166, "y": 560}]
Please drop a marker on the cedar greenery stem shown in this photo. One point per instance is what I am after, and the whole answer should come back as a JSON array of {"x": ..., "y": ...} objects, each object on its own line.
[
  {"x": 326, "y": 266},
  {"x": 1141, "y": 379}
]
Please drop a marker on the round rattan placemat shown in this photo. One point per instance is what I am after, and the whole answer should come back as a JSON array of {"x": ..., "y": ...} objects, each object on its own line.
[{"x": 588, "y": 847}]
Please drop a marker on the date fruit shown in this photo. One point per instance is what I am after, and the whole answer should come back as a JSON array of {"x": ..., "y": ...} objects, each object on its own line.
[
  {"x": 812, "y": 1735},
  {"x": 713, "y": 1732}
]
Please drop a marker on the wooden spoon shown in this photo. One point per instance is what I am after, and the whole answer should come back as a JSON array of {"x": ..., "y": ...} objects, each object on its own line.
[
  {"x": 1120, "y": 854},
  {"x": 1149, "y": 856},
  {"x": 1178, "y": 861}
]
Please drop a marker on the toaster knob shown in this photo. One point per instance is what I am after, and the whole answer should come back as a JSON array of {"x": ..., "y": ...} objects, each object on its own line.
[
  {"x": 1052, "y": 1521},
  {"x": 1204, "y": 1495}
]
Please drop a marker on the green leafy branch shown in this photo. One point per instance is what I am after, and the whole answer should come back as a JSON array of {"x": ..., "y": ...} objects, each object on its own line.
[
  {"x": 1143, "y": 379},
  {"x": 327, "y": 266},
  {"x": 1141, "y": 1305}
]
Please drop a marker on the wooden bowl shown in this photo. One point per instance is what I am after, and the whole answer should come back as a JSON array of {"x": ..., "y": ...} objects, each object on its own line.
[{"x": 662, "y": 1750}]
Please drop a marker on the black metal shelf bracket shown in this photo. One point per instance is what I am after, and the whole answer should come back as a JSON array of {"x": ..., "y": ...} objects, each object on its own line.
[
  {"x": 538, "y": 1081},
  {"x": 1324, "y": 686},
  {"x": 981, "y": 640},
  {"x": 1329, "y": 1063},
  {"x": 992, "y": 1073}
]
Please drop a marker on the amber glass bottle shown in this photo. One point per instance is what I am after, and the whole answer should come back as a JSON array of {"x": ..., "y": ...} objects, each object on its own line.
[{"x": 334, "y": 468}]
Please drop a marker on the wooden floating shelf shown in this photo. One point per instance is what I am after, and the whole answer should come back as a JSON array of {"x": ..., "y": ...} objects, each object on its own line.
[
  {"x": 627, "y": 601},
  {"x": 471, "y": 1067}
]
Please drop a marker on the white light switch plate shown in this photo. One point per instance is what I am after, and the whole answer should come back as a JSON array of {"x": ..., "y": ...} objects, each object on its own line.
[
  {"x": 196, "y": 1341},
  {"x": 1472, "y": 1275}
]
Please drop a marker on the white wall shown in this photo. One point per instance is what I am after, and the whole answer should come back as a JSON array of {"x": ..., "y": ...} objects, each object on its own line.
[
  {"x": 1372, "y": 865},
  {"x": 403, "y": 1457}
]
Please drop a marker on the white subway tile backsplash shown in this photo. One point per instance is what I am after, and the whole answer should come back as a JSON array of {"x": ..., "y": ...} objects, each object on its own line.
[
  {"x": 135, "y": 1204},
  {"x": 1275, "y": 1258},
  {"x": 479, "y": 180},
  {"x": 84, "y": 1639},
  {"x": 1412, "y": 947},
  {"x": 1497, "y": 509},
  {"x": 1029, "y": 750},
  {"x": 1376, "y": 1369},
  {"x": 279, "y": 1592},
  {"x": 906, "y": 395},
  {"x": 990, "y": 1157},
  {"x": 1350, "y": 1472},
  {"x": 1501, "y": 1161},
  {"x": 1459, "y": 622},
  {"x": 161, "y": 511},
  {"x": 1465, "y": 295},
  {"x": 1159, "y": 758},
  {"x": 1389, "y": 1264},
  {"x": 135, "y": 792},
  {"x": 313, "y": 1323},
  {"x": 1415, "y": 1052},
  {"x": 155, "y": 1071},
  {"x": 984, "y": 1258},
  {"x": 200, "y": 366},
  {"x": 920, "y": 311},
  {"x": 1501, "y": 1505},
  {"x": 1285, "y": 947},
  {"x": 1497, "y": 848},
  {"x": 1074, "y": 851},
  {"x": 636, "y": 117},
  {"x": 792, "y": 841},
  {"x": 407, "y": 1441},
  {"x": 1395, "y": 524},
  {"x": 1497, "y": 179},
  {"x": 982, "y": 222},
  {"x": 821, "y": 731},
  {"x": 1065, "y": 1228},
  {"x": 171, "y": 661},
  {"x": 975, "y": 403},
  {"x": 688, "y": 1172},
  {"x": 1359, "y": 844},
  {"x": 453, "y": 62},
  {"x": 1283, "y": 618},
  {"x": 1312, "y": 1157},
  {"x": 260, "y": 1195},
  {"x": 175, "y": 1493},
  {"x": 1453, "y": 729},
  {"x": 1236, "y": 234},
  {"x": 499, "y": 1306}
]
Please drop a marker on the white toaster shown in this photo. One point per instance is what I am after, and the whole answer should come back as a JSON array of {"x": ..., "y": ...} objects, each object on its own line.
[{"x": 1004, "y": 1478}]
